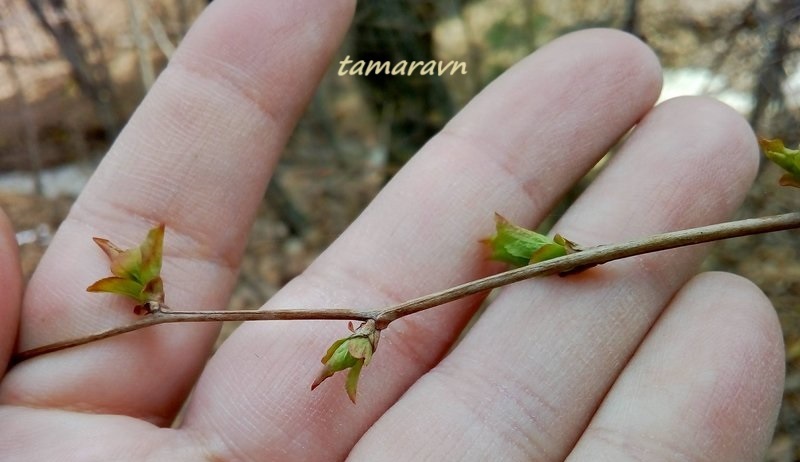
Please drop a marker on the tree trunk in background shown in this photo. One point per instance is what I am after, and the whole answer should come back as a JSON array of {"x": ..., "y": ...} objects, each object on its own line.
[
  {"x": 415, "y": 107},
  {"x": 630, "y": 22},
  {"x": 771, "y": 75}
]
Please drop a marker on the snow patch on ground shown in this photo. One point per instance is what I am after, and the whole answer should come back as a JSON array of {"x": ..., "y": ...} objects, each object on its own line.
[
  {"x": 699, "y": 81},
  {"x": 64, "y": 180}
]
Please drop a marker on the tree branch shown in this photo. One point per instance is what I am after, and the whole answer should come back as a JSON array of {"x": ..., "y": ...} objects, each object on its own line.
[{"x": 384, "y": 316}]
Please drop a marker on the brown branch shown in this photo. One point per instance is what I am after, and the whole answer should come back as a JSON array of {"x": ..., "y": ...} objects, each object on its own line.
[
  {"x": 569, "y": 263},
  {"x": 142, "y": 45},
  {"x": 165, "y": 315}
]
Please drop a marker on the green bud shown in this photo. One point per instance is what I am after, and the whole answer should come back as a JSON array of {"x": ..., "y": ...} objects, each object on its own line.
[
  {"x": 352, "y": 352},
  {"x": 520, "y": 247},
  {"x": 136, "y": 271}
]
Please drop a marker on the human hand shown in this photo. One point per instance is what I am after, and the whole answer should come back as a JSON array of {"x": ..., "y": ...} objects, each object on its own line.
[{"x": 636, "y": 359}]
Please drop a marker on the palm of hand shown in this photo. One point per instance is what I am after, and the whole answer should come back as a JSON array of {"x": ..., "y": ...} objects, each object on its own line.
[{"x": 635, "y": 359}]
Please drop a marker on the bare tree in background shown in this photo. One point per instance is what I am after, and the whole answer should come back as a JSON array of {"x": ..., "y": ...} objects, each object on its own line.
[
  {"x": 91, "y": 75},
  {"x": 24, "y": 110},
  {"x": 777, "y": 26}
]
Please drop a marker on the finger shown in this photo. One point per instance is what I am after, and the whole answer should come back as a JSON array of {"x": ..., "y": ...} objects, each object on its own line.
[
  {"x": 196, "y": 156},
  {"x": 515, "y": 148},
  {"x": 533, "y": 368},
  {"x": 706, "y": 384},
  {"x": 10, "y": 290},
  {"x": 31, "y": 434}
]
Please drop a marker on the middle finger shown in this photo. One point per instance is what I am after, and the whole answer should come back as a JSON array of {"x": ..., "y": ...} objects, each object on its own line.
[
  {"x": 421, "y": 235},
  {"x": 531, "y": 372}
]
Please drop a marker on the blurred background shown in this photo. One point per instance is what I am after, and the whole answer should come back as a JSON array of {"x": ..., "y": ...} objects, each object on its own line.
[{"x": 72, "y": 72}]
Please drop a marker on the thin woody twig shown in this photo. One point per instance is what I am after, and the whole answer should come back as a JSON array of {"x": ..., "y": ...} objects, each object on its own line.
[
  {"x": 595, "y": 256},
  {"x": 576, "y": 261},
  {"x": 166, "y": 315}
]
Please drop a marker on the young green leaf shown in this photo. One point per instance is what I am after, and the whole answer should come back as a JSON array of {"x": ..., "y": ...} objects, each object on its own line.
[
  {"x": 351, "y": 384},
  {"x": 151, "y": 250},
  {"x": 352, "y": 352},
  {"x": 118, "y": 285},
  {"x": 520, "y": 247},
  {"x": 136, "y": 271},
  {"x": 785, "y": 158}
]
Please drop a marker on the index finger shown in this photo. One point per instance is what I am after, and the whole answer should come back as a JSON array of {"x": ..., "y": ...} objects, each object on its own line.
[{"x": 196, "y": 155}]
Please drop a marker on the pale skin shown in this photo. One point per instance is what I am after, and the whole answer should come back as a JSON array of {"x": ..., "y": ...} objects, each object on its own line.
[{"x": 639, "y": 359}]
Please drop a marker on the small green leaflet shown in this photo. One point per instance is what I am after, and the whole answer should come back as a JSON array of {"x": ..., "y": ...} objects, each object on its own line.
[
  {"x": 137, "y": 271},
  {"x": 785, "y": 158},
  {"x": 520, "y": 247},
  {"x": 352, "y": 352}
]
